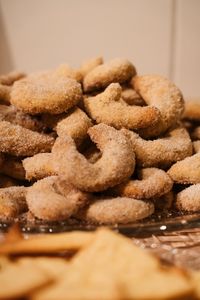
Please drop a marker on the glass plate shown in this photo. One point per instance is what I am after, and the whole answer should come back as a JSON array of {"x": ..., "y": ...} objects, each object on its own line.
[{"x": 157, "y": 224}]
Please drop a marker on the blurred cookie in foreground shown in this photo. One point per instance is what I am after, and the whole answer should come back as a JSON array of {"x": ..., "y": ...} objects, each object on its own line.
[{"x": 106, "y": 266}]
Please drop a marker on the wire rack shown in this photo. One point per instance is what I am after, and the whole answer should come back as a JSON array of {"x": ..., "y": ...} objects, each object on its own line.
[
  {"x": 175, "y": 240},
  {"x": 181, "y": 248}
]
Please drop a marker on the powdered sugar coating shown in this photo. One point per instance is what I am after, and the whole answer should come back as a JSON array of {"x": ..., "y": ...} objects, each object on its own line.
[{"x": 117, "y": 70}]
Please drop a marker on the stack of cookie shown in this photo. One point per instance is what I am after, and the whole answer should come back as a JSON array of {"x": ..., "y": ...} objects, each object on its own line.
[{"x": 100, "y": 144}]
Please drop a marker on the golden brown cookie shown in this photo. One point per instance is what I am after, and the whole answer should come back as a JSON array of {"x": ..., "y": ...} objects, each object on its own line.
[
  {"x": 19, "y": 141},
  {"x": 66, "y": 71},
  {"x": 15, "y": 116},
  {"x": 119, "y": 210},
  {"x": 153, "y": 183},
  {"x": 115, "y": 165},
  {"x": 186, "y": 171},
  {"x": 53, "y": 199},
  {"x": 47, "y": 92},
  {"x": 39, "y": 166},
  {"x": 117, "y": 70},
  {"x": 108, "y": 107},
  {"x": 189, "y": 198},
  {"x": 161, "y": 152},
  {"x": 88, "y": 65},
  {"x": 165, "y": 96},
  {"x": 75, "y": 125}
]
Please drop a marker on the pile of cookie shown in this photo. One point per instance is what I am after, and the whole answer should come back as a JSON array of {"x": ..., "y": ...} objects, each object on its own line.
[{"x": 99, "y": 144}]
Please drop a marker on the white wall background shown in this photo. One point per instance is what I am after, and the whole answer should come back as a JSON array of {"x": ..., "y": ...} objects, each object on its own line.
[{"x": 158, "y": 36}]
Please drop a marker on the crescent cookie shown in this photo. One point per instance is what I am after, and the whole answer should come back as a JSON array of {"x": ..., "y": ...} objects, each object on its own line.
[
  {"x": 88, "y": 65},
  {"x": 153, "y": 183},
  {"x": 53, "y": 199},
  {"x": 186, "y": 171},
  {"x": 108, "y": 107},
  {"x": 15, "y": 116},
  {"x": 75, "y": 125},
  {"x": 165, "y": 96},
  {"x": 189, "y": 198},
  {"x": 161, "y": 152},
  {"x": 120, "y": 210},
  {"x": 66, "y": 71},
  {"x": 19, "y": 141},
  {"x": 117, "y": 70},
  {"x": 39, "y": 166},
  {"x": 46, "y": 92},
  {"x": 116, "y": 164}
]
